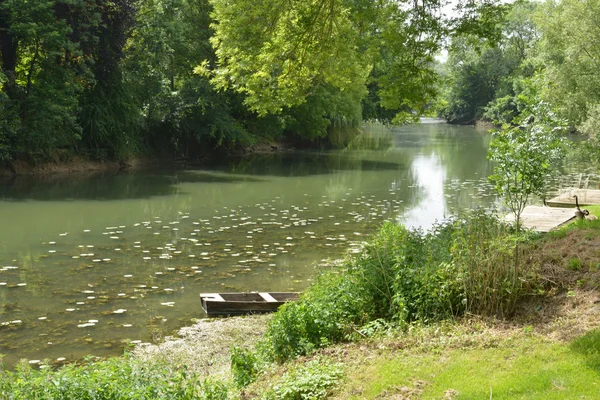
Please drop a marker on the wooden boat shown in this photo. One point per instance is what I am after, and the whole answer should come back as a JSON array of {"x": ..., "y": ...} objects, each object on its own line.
[{"x": 215, "y": 304}]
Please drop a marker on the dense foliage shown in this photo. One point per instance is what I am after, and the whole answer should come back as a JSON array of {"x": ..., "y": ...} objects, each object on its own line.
[
  {"x": 185, "y": 77},
  {"x": 548, "y": 47},
  {"x": 402, "y": 276},
  {"x": 114, "y": 79}
]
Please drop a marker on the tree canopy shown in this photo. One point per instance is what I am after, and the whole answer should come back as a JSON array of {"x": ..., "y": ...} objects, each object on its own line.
[{"x": 112, "y": 79}]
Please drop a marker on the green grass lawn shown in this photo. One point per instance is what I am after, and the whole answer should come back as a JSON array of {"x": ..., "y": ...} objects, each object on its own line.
[{"x": 527, "y": 368}]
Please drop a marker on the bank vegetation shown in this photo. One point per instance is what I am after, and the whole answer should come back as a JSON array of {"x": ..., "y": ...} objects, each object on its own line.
[{"x": 410, "y": 314}]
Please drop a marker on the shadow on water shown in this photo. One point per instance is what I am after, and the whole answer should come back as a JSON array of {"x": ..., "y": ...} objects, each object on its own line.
[
  {"x": 146, "y": 184},
  {"x": 114, "y": 186},
  {"x": 305, "y": 164}
]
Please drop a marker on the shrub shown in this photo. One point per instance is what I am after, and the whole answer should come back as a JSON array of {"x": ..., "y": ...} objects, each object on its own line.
[
  {"x": 466, "y": 264},
  {"x": 243, "y": 366},
  {"x": 311, "y": 381},
  {"x": 492, "y": 276}
]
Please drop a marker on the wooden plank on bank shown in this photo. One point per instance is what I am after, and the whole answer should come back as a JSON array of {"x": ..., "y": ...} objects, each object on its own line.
[
  {"x": 586, "y": 197},
  {"x": 544, "y": 219}
]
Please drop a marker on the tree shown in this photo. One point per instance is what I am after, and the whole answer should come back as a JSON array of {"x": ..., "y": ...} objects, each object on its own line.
[
  {"x": 526, "y": 152},
  {"x": 483, "y": 75},
  {"x": 276, "y": 52},
  {"x": 569, "y": 49}
]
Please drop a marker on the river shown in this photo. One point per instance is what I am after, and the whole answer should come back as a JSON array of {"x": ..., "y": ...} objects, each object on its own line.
[{"x": 89, "y": 263}]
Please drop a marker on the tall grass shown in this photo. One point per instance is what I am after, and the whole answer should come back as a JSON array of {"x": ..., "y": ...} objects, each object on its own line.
[{"x": 493, "y": 273}]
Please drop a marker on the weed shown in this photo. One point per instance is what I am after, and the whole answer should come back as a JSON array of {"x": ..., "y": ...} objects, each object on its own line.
[
  {"x": 312, "y": 380},
  {"x": 243, "y": 366},
  {"x": 117, "y": 378},
  {"x": 574, "y": 264}
]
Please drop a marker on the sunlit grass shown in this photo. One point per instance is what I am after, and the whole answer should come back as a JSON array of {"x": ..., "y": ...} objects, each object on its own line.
[{"x": 525, "y": 369}]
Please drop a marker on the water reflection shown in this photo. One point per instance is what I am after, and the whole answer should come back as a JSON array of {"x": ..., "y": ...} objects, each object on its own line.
[
  {"x": 431, "y": 203},
  {"x": 89, "y": 262}
]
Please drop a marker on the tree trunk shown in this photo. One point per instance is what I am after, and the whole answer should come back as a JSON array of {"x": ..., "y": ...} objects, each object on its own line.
[{"x": 8, "y": 48}]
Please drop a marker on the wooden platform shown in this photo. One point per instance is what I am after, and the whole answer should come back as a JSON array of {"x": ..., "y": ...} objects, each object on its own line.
[
  {"x": 586, "y": 197},
  {"x": 544, "y": 219}
]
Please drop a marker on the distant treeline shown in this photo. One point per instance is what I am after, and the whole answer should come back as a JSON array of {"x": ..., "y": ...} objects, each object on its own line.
[{"x": 547, "y": 52}]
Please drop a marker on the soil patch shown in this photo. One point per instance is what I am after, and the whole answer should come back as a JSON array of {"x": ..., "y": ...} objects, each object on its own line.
[{"x": 205, "y": 347}]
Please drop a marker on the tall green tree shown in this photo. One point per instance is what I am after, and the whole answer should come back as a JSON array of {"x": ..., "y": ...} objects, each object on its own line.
[
  {"x": 44, "y": 72},
  {"x": 276, "y": 52},
  {"x": 569, "y": 48},
  {"x": 483, "y": 75}
]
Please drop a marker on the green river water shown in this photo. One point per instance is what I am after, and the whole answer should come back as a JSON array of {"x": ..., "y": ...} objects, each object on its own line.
[{"x": 88, "y": 263}]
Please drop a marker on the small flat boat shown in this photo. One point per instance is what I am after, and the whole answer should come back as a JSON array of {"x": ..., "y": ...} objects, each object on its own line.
[{"x": 217, "y": 304}]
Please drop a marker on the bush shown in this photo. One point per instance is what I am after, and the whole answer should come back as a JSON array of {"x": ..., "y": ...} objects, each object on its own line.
[
  {"x": 243, "y": 366},
  {"x": 311, "y": 381},
  {"x": 492, "y": 275},
  {"x": 467, "y": 264}
]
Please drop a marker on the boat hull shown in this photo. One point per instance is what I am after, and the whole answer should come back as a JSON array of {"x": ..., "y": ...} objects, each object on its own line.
[{"x": 223, "y": 304}]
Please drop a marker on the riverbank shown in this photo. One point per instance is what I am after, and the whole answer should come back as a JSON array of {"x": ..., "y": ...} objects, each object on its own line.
[
  {"x": 341, "y": 341},
  {"x": 205, "y": 347},
  {"x": 530, "y": 357},
  {"x": 77, "y": 164},
  {"x": 552, "y": 336}
]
